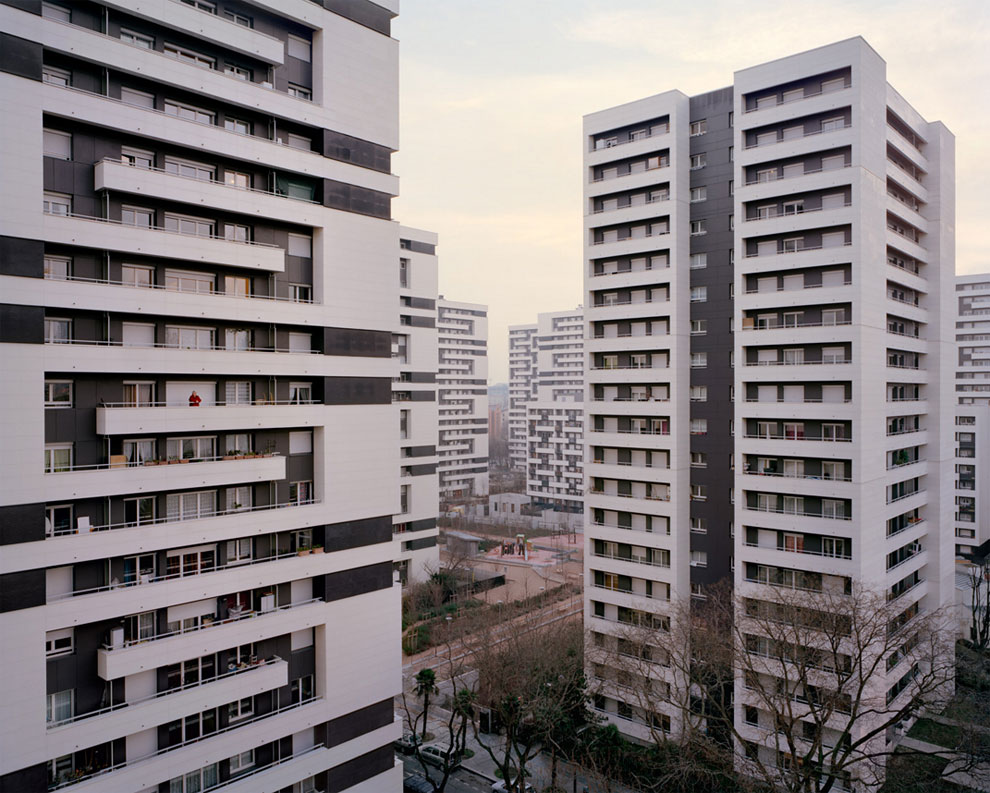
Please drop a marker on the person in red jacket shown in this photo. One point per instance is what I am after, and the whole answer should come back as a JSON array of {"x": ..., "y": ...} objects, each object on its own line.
[{"x": 194, "y": 400}]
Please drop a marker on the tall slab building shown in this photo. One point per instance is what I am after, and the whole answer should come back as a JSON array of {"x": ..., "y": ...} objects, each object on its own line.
[
  {"x": 770, "y": 294},
  {"x": 198, "y": 270}
]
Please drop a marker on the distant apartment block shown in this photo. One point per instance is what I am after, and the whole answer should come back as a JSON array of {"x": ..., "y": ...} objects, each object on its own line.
[
  {"x": 769, "y": 305},
  {"x": 555, "y": 415},
  {"x": 462, "y": 388},
  {"x": 522, "y": 391},
  {"x": 414, "y": 345}
]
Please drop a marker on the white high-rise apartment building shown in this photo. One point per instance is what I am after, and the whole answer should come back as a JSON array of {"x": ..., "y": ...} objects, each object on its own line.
[
  {"x": 555, "y": 417},
  {"x": 198, "y": 270},
  {"x": 522, "y": 391},
  {"x": 972, "y": 495},
  {"x": 462, "y": 390},
  {"x": 812, "y": 205},
  {"x": 415, "y": 391}
]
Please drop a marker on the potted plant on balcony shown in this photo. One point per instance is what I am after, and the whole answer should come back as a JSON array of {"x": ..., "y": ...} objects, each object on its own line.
[
  {"x": 151, "y": 462},
  {"x": 317, "y": 549},
  {"x": 231, "y": 454},
  {"x": 174, "y": 461},
  {"x": 303, "y": 552}
]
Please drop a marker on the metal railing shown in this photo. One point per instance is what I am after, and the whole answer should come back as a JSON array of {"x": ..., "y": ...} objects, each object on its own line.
[
  {"x": 843, "y": 128},
  {"x": 163, "y": 287},
  {"x": 60, "y": 469},
  {"x": 802, "y": 211},
  {"x": 801, "y": 550},
  {"x": 796, "y": 99},
  {"x": 167, "y": 346}
]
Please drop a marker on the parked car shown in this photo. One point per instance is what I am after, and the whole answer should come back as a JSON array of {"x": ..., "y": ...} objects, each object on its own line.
[
  {"x": 500, "y": 786},
  {"x": 434, "y": 754},
  {"x": 416, "y": 783},
  {"x": 407, "y": 743}
]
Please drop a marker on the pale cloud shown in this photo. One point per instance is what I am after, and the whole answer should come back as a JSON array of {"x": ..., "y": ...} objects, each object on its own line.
[{"x": 493, "y": 95}]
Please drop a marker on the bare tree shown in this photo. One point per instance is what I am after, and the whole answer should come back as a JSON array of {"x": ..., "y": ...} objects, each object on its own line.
[
  {"x": 827, "y": 680},
  {"x": 978, "y": 579},
  {"x": 532, "y": 683}
]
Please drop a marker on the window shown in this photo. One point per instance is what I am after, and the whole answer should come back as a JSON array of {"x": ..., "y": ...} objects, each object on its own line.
[
  {"x": 189, "y": 338},
  {"x": 300, "y": 393},
  {"x": 699, "y": 327},
  {"x": 239, "y": 19},
  {"x": 235, "y": 232},
  {"x": 59, "y": 706},
  {"x": 192, "y": 226},
  {"x": 699, "y": 127},
  {"x": 698, "y": 227},
  {"x": 192, "y": 561},
  {"x": 732, "y": 222},
  {"x": 699, "y": 393},
  {"x": 58, "y": 144},
  {"x": 301, "y": 689},
  {"x": 244, "y": 760},
  {"x": 138, "y": 452},
  {"x": 404, "y": 272},
  {"x": 698, "y": 161},
  {"x": 190, "y": 169},
  {"x": 300, "y": 342},
  {"x": 202, "y": 5},
  {"x": 139, "y": 568},
  {"x": 298, "y": 142},
  {"x": 137, "y": 216},
  {"x": 60, "y": 642},
  {"x": 196, "y": 448},
  {"x": 300, "y": 293},
  {"x": 699, "y": 261},
  {"x": 58, "y": 520},
  {"x": 187, "y": 506},
  {"x": 189, "y": 112},
  {"x": 404, "y": 491},
  {"x": 58, "y": 331},
  {"x": 58, "y": 268},
  {"x": 239, "y": 550},
  {"x": 137, "y": 39},
  {"x": 57, "y": 204},
  {"x": 300, "y": 245},
  {"x": 698, "y": 194},
  {"x": 57, "y": 12},
  {"x": 137, "y": 158},
  {"x": 699, "y": 360},
  {"x": 699, "y": 558},
  {"x": 301, "y": 442},
  {"x": 131, "y": 96},
  {"x": 58, "y": 457},
  {"x": 792, "y": 244},
  {"x": 139, "y": 511},
  {"x": 237, "y": 179},
  {"x": 237, "y": 392},
  {"x": 241, "y": 710},
  {"x": 300, "y": 93},
  {"x": 832, "y": 124},
  {"x": 138, "y": 334},
  {"x": 240, "y": 72},
  {"x": 300, "y": 492},
  {"x": 53, "y": 76},
  {"x": 237, "y": 285},
  {"x": 699, "y": 294},
  {"x": 189, "y": 56},
  {"x": 195, "y": 781},
  {"x": 240, "y": 443},
  {"x": 237, "y": 339},
  {"x": 237, "y": 125},
  {"x": 300, "y": 48},
  {"x": 404, "y": 424},
  {"x": 699, "y": 426}
]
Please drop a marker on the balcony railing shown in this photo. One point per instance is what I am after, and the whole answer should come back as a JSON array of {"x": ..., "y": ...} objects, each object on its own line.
[
  {"x": 902, "y": 496},
  {"x": 626, "y": 239},
  {"x": 775, "y": 324},
  {"x": 631, "y": 399},
  {"x": 627, "y": 528},
  {"x": 216, "y": 622},
  {"x": 663, "y": 164},
  {"x": 800, "y": 363},
  {"x": 781, "y": 101},
  {"x": 811, "y": 134},
  {"x": 636, "y": 559},
  {"x": 162, "y": 229},
  {"x": 162, "y": 287},
  {"x": 776, "y": 214},
  {"x": 592, "y": 491},
  {"x": 647, "y": 202},
  {"x": 236, "y": 726},
  {"x": 801, "y": 550},
  {"x": 656, "y": 131},
  {"x": 255, "y": 770},
  {"x": 818, "y": 478},
  {"x": 758, "y": 180},
  {"x": 759, "y": 291},
  {"x": 62, "y": 469},
  {"x": 167, "y": 346},
  {"x": 800, "y": 513},
  {"x": 775, "y": 437},
  {"x": 802, "y": 249},
  {"x": 159, "y": 695}
]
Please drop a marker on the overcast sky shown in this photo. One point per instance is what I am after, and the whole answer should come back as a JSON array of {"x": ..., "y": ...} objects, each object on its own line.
[{"x": 493, "y": 91}]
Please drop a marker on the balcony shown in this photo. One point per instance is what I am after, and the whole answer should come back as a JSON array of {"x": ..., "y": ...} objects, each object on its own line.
[
  {"x": 118, "y": 478},
  {"x": 156, "y": 241},
  {"x": 159, "y": 417},
  {"x": 797, "y": 512},
  {"x": 126, "y": 718},
  {"x": 173, "y": 646},
  {"x": 122, "y": 177}
]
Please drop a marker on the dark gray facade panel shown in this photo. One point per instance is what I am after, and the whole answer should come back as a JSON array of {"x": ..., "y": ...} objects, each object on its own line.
[
  {"x": 357, "y": 533},
  {"x": 422, "y": 524},
  {"x": 358, "y": 722},
  {"x": 357, "y": 391},
  {"x": 338, "y": 146},
  {"x": 33, "y": 779},
  {"x": 22, "y": 523},
  {"x": 717, "y": 444},
  {"x": 419, "y": 322},
  {"x": 361, "y": 343},
  {"x": 422, "y": 302},
  {"x": 423, "y": 542},
  {"x": 31, "y": 6},
  {"x": 423, "y": 396},
  {"x": 348, "y": 774},
  {"x": 358, "y": 581},
  {"x": 350, "y": 198},
  {"x": 22, "y": 257},
  {"x": 22, "y": 324},
  {"x": 420, "y": 377},
  {"x": 364, "y": 12},
  {"x": 418, "y": 247},
  {"x": 423, "y": 470},
  {"x": 22, "y": 590},
  {"x": 421, "y": 451},
  {"x": 20, "y": 56}
]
